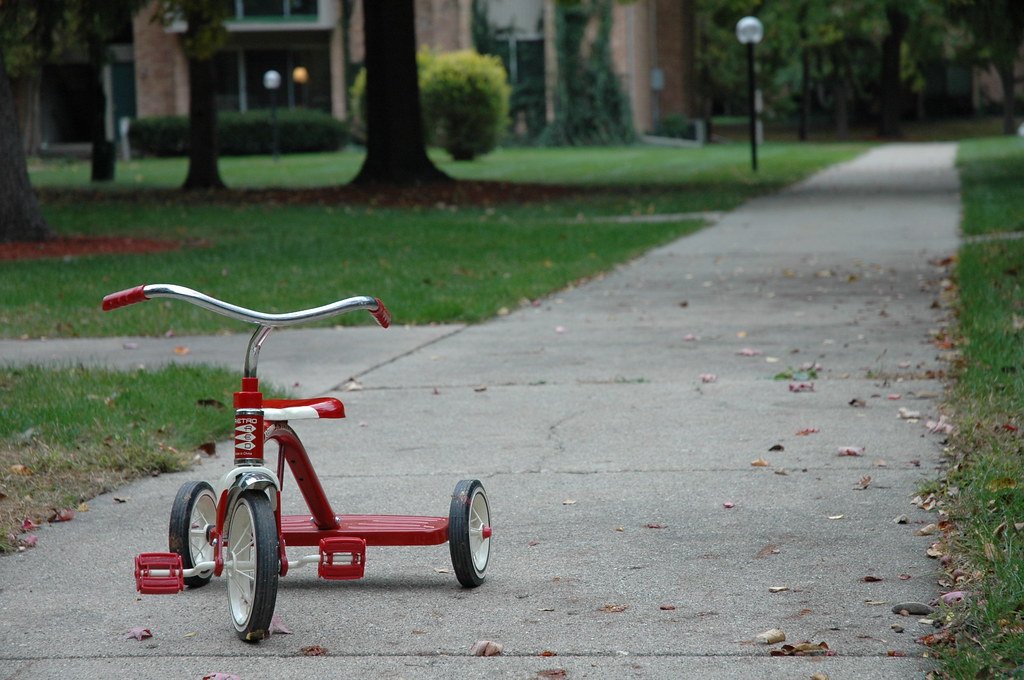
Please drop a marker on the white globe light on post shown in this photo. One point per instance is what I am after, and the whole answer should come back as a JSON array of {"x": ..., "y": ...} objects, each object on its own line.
[
  {"x": 272, "y": 81},
  {"x": 750, "y": 31}
]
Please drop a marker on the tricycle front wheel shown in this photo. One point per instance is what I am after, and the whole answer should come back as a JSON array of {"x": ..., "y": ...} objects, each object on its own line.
[
  {"x": 469, "y": 532},
  {"x": 251, "y": 565}
]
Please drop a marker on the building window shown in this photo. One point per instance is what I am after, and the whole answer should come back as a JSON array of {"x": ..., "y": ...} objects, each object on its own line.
[
  {"x": 275, "y": 9},
  {"x": 240, "y": 79}
]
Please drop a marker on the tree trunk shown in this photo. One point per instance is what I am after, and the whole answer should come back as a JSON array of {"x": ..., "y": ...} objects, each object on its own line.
[
  {"x": 1009, "y": 92},
  {"x": 20, "y": 216},
  {"x": 395, "y": 147},
  {"x": 203, "y": 172},
  {"x": 26, "y": 100},
  {"x": 891, "y": 86},
  {"x": 842, "y": 110},
  {"x": 805, "y": 93},
  {"x": 103, "y": 158}
]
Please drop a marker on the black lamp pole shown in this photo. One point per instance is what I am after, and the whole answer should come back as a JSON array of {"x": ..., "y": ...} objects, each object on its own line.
[{"x": 752, "y": 98}]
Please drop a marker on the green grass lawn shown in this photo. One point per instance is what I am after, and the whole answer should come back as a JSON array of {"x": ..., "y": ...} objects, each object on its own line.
[
  {"x": 985, "y": 484},
  {"x": 81, "y": 431}
]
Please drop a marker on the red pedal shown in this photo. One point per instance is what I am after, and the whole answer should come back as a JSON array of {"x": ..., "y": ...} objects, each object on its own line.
[
  {"x": 159, "y": 574},
  {"x": 342, "y": 558}
]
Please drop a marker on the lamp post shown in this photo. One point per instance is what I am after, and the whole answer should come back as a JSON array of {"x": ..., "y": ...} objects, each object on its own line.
[
  {"x": 750, "y": 30},
  {"x": 272, "y": 81},
  {"x": 300, "y": 76}
]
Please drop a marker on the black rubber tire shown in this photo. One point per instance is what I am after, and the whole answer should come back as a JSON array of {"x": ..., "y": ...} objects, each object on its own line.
[
  {"x": 470, "y": 552},
  {"x": 179, "y": 538},
  {"x": 251, "y": 617}
]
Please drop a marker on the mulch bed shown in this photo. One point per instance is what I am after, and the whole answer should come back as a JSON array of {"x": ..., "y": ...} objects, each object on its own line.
[{"x": 461, "y": 193}]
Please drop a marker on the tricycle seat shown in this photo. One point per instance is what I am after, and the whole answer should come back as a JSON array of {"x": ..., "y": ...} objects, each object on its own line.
[{"x": 281, "y": 410}]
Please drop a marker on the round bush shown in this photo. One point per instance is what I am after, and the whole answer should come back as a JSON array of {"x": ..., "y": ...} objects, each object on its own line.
[{"x": 465, "y": 99}]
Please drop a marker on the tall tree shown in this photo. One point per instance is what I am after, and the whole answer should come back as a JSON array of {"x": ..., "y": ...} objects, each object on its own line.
[
  {"x": 891, "y": 83},
  {"x": 997, "y": 27},
  {"x": 395, "y": 144},
  {"x": 26, "y": 35},
  {"x": 203, "y": 37}
]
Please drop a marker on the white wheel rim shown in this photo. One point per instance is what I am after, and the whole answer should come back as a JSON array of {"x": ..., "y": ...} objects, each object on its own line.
[
  {"x": 479, "y": 517},
  {"x": 204, "y": 515},
  {"x": 241, "y": 564}
]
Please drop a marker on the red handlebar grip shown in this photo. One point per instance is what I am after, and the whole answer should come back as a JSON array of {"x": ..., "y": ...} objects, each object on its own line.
[
  {"x": 124, "y": 298},
  {"x": 382, "y": 315}
]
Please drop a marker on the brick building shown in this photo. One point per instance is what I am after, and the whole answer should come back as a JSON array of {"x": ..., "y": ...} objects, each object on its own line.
[{"x": 652, "y": 47}]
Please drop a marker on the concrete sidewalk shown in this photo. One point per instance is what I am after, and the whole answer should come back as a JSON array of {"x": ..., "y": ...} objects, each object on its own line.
[{"x": 589, "y": 423}]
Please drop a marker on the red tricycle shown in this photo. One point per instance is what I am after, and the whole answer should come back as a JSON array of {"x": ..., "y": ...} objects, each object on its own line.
[{"x": 238, "y": 530}]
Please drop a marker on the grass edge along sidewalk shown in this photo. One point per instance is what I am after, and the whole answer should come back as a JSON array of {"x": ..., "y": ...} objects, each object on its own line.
[
  {"x": 981, "y": 498},
  {"x": 430, "y": 263}
]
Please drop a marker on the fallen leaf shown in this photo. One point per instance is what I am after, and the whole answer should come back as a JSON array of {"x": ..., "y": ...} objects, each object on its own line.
[
  {"x": 819, "y": 676},
  {"x": 352, "y": 386},
  {"x": 191, "y": 634},
  {"x": 708, "y": 378},
  {"x": 858, "y": 403},
  {"x": 1010, "y": 427},
  {"x": 313, "y": 650},
  {"x": 221, "y": 676},
  {"x": 277, "y": 626},
  {"x": 954, "y": 597},
  {"x": 28, "y": 525},
  {"x": 935, "y": 550},
  {"x": 486, "y": 648},
  {"x": 441, "y": 570},
  {"x": 1002, "y": 484},
  {"x": 864, "y": 483},
  {"x": 129, "y": 345},
  {"x": 801, "y": 387},
  {"x": 480, "y": 388},
  {"x": 29, "y": 541},
  {"x": 880, "y": 463},
  {"x": 927, "y": 530},
  {"x": 654, "y": 525},
  {"x": 138, "y": 633},
  {"x": 901, "y": 519},
  {"x": 893, "y": 652},
  {"x": 83, "y": 507},
  {"x": 548, "y": 653},
  {"x": 614, "y": 608},
  {"x": 667, "y": 607},
  {"x": 182, "y": 350},
  {"x": 940, "y": 426},
  {"x": 559, "y": 329},
  {"x": 806, "y": 431},
  {"x": 907, "y": 414},
  {"x": 802, "y": 649},
  {"x": 553, "y": 673},
  {"x": 851, "y": 450},
  {"x": 22, "y": 470},
  {"x": 728, "y": 505},
  {"x": 533, "y": 543},
  {"x": 905, "y": 577},
  {"x": 771, "y": 636},
  {"x": 759, "y": 462},
  {"x": 777, "y": 447},
  {"x": 778, "y": 589},
  {"x": 894, "y": 397},
  {"x": 871, "y": 579},
  {"x": 569, "y": 501},
  {"x": 749, "y": 352},
  {"x": 63, "y": 515},
  {"x": 122, "y": 499},
  {"x": 836, "y": 516},
  {"x": 690, "y": 337},
  {"x": 766, "y": 551}
]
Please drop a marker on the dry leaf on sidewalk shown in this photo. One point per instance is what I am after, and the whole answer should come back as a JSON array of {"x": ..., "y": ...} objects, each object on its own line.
[{"x": 486, "y": 648}]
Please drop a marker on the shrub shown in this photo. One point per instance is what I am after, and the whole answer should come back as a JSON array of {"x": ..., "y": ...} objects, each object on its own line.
[
  {"x": 160, "y": 135},
  {"x": 465, "y": 98},
  {"x": 242, "y": 134},
  {"x": 675, "y": 125}
]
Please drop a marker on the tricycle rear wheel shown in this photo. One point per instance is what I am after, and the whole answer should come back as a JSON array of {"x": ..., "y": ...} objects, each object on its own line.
[
  {"x": 193, "y": 512},
  {"x": 469, "y": 532}
]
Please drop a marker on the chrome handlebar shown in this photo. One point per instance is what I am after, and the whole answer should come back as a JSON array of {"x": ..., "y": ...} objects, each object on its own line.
[
  {"x": 267, "y": 322},
  {"x": 162, "y": 290}
]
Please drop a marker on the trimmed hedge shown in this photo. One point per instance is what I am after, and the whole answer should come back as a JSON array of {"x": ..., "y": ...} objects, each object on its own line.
[{"x": 243, "y": 134}]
